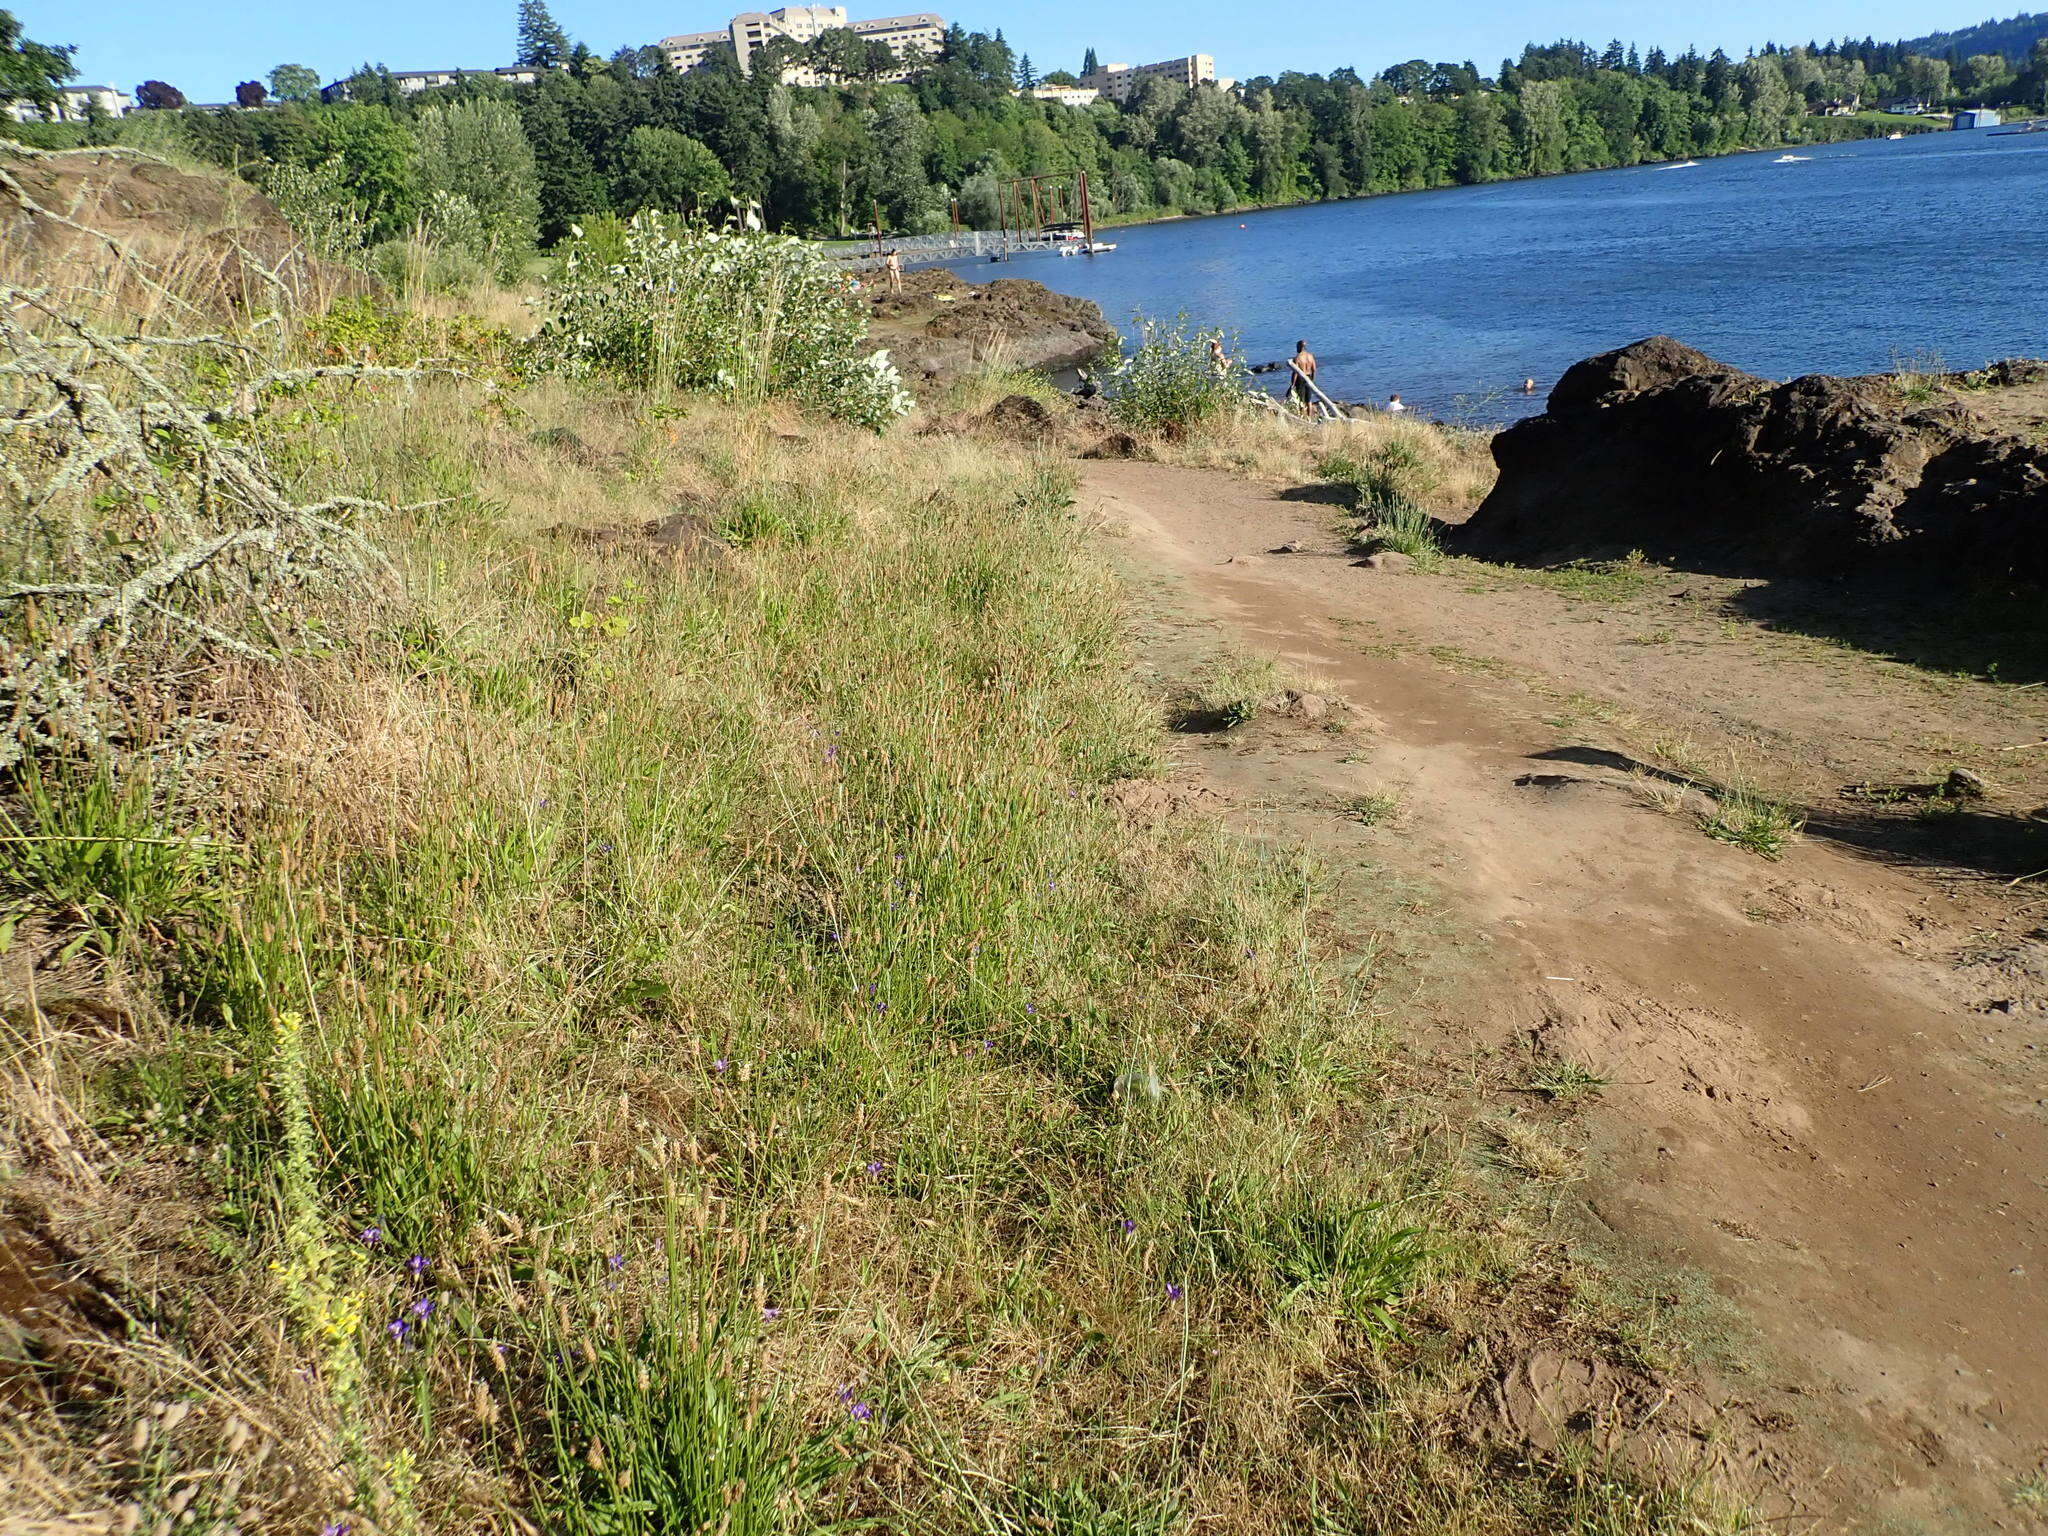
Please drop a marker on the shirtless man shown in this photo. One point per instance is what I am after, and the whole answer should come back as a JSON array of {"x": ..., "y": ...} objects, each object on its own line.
[{"x": 1299, "y": 394}]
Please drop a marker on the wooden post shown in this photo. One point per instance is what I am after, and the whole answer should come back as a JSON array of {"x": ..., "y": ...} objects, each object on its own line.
[{"x": 1087, "y": 216}]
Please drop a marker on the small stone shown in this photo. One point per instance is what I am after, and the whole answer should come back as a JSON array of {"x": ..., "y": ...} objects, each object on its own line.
[
  {"x": 1387, "y": 560},
  {"x": 1961, "y": 784}
]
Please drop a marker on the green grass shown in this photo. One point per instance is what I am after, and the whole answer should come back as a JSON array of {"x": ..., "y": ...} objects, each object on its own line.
[
  {"x": 1586, "y": 581},
  {"x": 1567, "y": 1082},
  {"x": 1755, "y": 823}
]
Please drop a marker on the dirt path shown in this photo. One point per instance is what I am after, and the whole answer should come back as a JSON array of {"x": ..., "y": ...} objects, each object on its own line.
[{"x": 1824, "y": 1075}]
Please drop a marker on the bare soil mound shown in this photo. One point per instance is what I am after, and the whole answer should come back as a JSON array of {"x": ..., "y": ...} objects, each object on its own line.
[
  {"x": 1658, "y": 447},
  {"x": 221, "y": 237},
  {"x": 940, "y": 328}
]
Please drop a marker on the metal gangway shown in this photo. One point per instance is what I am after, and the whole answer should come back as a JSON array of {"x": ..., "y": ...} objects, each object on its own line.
[
  {"x": 1042, "y": 215},
  {"x": 959, "y": 245}
]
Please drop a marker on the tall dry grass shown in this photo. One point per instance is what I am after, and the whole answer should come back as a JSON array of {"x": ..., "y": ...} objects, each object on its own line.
[{"x": 1446, "y": 471}]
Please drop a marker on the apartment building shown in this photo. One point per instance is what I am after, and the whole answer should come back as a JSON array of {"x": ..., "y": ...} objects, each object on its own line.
[
  {"x": 1119, "y": 82},
  {"x": 411, "y": 82},
  {"x": 74, "y": 103},
  {"x": 1065, "y": 95},
  {"x": 921, "y": 33}
]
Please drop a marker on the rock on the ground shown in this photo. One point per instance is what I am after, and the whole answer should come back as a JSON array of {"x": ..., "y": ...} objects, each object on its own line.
[
  {"x": 683, "y": 537},
  {"x": 228, "y": 241},
  {"x": 1387, "y": 560},
  {"x": 1658, "y": 447},
  {"x": 941, "y": 328}
]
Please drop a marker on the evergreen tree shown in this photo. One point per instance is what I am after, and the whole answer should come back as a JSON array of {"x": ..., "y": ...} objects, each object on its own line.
[
  {"x": 542, "y": 42},
  {"x": 1027, "y": 77},
  {"x": 1089, "y": 64}
]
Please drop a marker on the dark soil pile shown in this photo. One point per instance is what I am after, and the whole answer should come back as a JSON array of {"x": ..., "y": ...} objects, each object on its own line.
[
  {"x": 940, "y": 328},
  {"x": 1660, "y": 448},
  {"x": 218, "y": 237}
]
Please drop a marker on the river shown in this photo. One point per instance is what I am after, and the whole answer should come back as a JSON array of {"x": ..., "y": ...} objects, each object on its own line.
[{"x": 1866, "y": 253}]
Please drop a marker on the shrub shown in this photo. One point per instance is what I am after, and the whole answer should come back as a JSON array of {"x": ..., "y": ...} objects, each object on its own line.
[
  {"x": 1171, "y": 383},
  {"x": 733, "y": 311}
]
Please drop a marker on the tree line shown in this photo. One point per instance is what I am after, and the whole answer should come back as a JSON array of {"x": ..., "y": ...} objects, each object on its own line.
[{"x": 595, "y": 136}]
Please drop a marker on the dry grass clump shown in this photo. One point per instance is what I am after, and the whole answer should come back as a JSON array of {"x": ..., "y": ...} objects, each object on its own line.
[
  {"x": 1443, "y": 470},
  {"x": 680, "y": 1041}
]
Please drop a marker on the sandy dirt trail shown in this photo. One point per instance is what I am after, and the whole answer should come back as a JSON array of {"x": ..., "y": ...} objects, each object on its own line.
[{"x": 1812, "y": 1097}]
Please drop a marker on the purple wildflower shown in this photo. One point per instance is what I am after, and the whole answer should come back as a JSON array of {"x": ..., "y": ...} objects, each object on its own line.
[
  {"x": 398, "y": 1328},
  {"x": 1128, "y": 1225},
  {"x": 831, "y": 754},
  {"x": 604, "y": 847},
  {"x": 424, "y": 1307},
  {"x": 861, "y": 1412},
  {"x": 370, "y": 1237},
  {"x": 875, "y": 1169},
  {"x": 1173, "y": 1292},
  {"x": 417, "y": 1264},
  {"x": 616, "y": 1261},
  {"x": 769, "y": 1314},
  {"x": 720, "y": 1065},
  {"x": 334, "y": 1528},
  {"x": 844, "y": 1394}
]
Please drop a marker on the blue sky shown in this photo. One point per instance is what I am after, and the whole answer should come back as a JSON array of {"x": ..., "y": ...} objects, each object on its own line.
[{"x": 204, "y": 46}]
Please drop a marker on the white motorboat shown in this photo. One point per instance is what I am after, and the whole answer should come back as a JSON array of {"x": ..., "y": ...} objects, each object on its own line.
[
  {"x": 1791, "y": 159},
  {"x": 1681, "y": 165}
]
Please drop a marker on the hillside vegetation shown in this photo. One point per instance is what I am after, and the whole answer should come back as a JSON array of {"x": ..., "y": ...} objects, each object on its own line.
[{"x": 491, "y": 165}]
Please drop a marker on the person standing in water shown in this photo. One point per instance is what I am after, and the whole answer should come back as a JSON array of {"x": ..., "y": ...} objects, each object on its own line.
[{"x": 1299, "y": 394}]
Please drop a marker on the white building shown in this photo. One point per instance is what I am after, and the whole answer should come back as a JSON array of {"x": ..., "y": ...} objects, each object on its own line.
[
  {"x": 1119, "y": 82},
  {"x": 411, "y": 82},
  {"x": 73, "y": 104},
  {"x": 1065, "y": 95},
  {"x": 923, "y": 33}
]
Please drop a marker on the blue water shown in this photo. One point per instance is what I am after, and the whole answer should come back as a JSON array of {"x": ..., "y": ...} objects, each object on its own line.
[{"x": 1866, "y": 253}]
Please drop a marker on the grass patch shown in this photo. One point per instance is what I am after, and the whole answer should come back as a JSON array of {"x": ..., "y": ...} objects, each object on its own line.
[
  {"x": 1754, "y": 822},
  {"x": 1566, "y": 1082},
  {"x": 1588, "y": 581}
]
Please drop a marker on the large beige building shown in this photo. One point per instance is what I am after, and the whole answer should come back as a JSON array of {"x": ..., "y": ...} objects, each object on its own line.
[
  {"x": 1119, "y": 82},
  {"x": 923, "y": 33}
]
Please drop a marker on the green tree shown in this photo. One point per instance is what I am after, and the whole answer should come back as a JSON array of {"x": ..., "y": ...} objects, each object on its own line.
[
  {"x": 295, "y": 83},
  {"x": 662, "y": 169},
  {"x": 542, "y": 42},
  {"x": 555, "y": 112},
  {"x": 31, "y": 71},
  {"x": 478, "y": 150},
  {"x": 1089, "y": 64},
  {"x": 250, "y": 93},
  {"x": 373, "y": 158}
]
